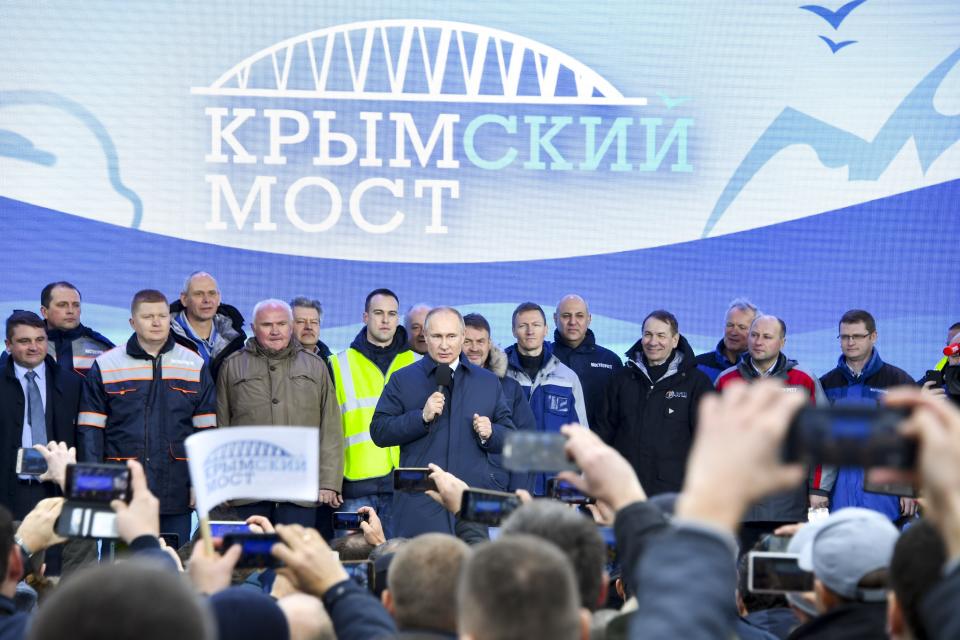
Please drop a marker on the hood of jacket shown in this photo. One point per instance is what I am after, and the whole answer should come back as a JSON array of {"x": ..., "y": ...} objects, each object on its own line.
[
  {"x": 779, "y": 370},
  {"x": 513, "y": 357},
  {"x": 372, "y": 351},
  {"x": 589, "y": 342},
  {"x": 682, "y": 359},
  {"x": 497, "y": 361},
  {"x": 228, "y": 321},
  {"x": 79, "y": 331},
  {"x": 134, "y": 350}
]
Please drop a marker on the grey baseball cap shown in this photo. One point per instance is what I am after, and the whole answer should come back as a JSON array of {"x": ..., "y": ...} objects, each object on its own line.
[
  {"x": 801, "y": 539},
  {"x": 847, "y": 546}
]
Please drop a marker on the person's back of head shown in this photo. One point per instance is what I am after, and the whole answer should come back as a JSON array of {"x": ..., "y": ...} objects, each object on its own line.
[
  {"x": 422, "y": 582},
  {"x": 306, "y": 617},
  {"x": 130, "y": 600},
  {"x": 917, "y": 566},
  {"x": 352, "y": 547},
  {"x": 575, "y": 535},
  {"x": 516, "y": 588}
]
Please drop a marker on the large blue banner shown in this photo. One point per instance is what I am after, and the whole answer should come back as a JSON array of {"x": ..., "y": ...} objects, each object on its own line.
[{"x": 644, "y": 155}]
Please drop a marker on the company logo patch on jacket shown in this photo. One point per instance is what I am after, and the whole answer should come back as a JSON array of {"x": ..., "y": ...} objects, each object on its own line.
[
  {"x": 557, "y": 404},
  {"x": 601, "y": 365},
  {"x": 676, "y": 394}
]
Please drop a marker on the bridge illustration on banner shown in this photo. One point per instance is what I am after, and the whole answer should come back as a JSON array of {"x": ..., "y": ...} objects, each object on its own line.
[{"x": 416, "y": 57}]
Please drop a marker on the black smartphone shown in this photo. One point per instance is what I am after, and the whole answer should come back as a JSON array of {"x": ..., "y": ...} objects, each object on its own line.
[
  {"x": 565, "y": 492},
  {"x": 850, "y": 436},
  {"x": 774, "y": 572},
  {"x": 220, "y": 528},
  {"x": 30, "y": 462},
  {"x": 487, "y": 507},
  {"x": 362, "y": 572},
  {"x": 100, "y": 483},
  {"x": 934, "y": 376},
  {"x": 172, "y": 540},
  {"x": 348, "y": 520},
  {"x": 541, "y": 451},
  {"x": 256, "y": 548},
  {"x": 413, "y": 479}
]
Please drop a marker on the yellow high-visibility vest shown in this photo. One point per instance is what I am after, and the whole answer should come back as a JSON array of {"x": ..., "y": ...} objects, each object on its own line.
[{"x": 359, "y": 385}]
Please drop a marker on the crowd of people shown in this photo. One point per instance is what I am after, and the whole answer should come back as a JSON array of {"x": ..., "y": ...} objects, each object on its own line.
[{"x": 681, "y": 453}]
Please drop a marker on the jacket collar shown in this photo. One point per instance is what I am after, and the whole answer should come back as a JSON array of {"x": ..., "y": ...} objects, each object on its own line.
[
  {"x": 874, "y": 364},
  {"x": 682, "y": 359},
  {"x": 513, "y": 357},
  {"x": 588, "y": 345},
  {"x": 430, "y": 367},
  {"x": 779, "y": 370},
  {"x": 364, "y": 346},
  {"x": 134, "y": 350}
]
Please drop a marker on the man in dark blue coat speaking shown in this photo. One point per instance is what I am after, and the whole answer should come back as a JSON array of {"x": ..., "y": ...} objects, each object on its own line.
[{"x": 456, "y": 426}]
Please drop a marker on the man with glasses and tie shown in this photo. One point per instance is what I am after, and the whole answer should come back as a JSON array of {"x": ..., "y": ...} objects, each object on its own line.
[
  {"x": 38, "y": 403},
  {"x": 861, "y": 377}
]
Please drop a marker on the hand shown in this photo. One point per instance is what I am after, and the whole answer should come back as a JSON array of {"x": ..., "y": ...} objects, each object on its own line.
[
  {"x": 310, "y": 564},
  {"x": 933, "y": 389},
  {"x": 36, "y": 530},
  {"x": 260, "y": 522},
  {"x": 372, "y": 529},
  {"x": 433, "y": 407},
  {"x": 788, "y": 530},
  {"x": 937, "y": 425},
  {"x": 170, "y": 551},
  {"x": 524, "y": 495},
  {"x": 209, "y": 571},
  {"x": 606, "y": 475},
  {"x": 450, "y": 489},
  {"x": 819, "y": 502},
  {"x": 735, "y": 458},
  {"x": 908, "y": 507},
  {"x": 142, "y": 516},
  {"x": 330, "y": 497},
  {"x": 57, "y": 457},
  {"x": 482, "y": 426}
]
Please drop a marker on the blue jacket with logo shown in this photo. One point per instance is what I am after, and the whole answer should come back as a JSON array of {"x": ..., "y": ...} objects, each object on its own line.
[
  {"x": 843, "y": 387},
  {"x": 594, "y": 366},
  {"x": 555, "y": 396},
  {"x": 139, "y": 407},
  {"x": 715, "y": 362},
  {"x": 652, "y": 422},
  {"x": 449, "y": 440}
]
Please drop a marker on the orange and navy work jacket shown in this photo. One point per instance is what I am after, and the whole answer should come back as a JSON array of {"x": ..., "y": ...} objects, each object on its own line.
[{"x": 137, "y": 407}]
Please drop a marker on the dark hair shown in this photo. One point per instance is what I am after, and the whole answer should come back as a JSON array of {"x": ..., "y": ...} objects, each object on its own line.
[
  {"x": 135, "y": 600},
  {"x": 756, "y": 601},
  {"x": 308, "y": 303},
  {"x": 575, "y": 535},
  {"x": 47, "y": 292},
  {"x": 664, "y": 316},
  {"x": 518, "y": 587},
  {"x": 352, "y": 547},
  {"x": 476, "y": 321},
  {"x": 859, "y": 315},
  {"x": 955, "y": 325},
  {"x": 422, "y": 580},
  {"x": 144, "y": 296},
  {"x": 527, "y": 306},
  {"x": 20, "y": 318},
  {"x": 379, "y": 292},
  {"x": 6, "y": 539},
  {"x": 916, "y": 566}
]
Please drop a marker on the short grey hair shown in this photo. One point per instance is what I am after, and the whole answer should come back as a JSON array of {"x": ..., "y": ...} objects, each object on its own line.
[
  {"x": 272, "y": 302},
  {"x": 437, "y": 310},
  {"x": 186, "y": 283},
  {"x": 414, "y": 307},
  {"x": 743, "y": 304},
  {"x": 308, "y": 303}
]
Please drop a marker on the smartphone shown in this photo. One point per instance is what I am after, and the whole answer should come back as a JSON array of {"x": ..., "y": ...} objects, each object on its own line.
[
  {"x": 172, "y": 540},
  {"x": 256, "y": 548},
  {"x": 349, "y": 520},
  {"x": 610, "y": 540},
  {"x": 86, "y": 520},
  {"x": 30, "y": 462},
  {"x": 541, "y": 451},
  {"x": 565, "y": 492},
  {"x": 413, "y": 479},
  {"x": 850, "y": 436},
  {"x": 361, "y": 571},
  {"x": 934, "y": 376},
  {"x": 220, "y": 528},
  {"x": 99, "y": 483},
  {"x": 774, "y": 572},
  {"x": 487, "y": 507}
]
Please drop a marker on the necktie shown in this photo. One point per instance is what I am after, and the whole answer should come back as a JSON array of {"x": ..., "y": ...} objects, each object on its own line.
[{"x": 38, "y": 422}]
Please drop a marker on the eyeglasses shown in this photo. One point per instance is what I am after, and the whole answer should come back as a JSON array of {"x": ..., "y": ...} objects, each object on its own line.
[{"x": 853, "y": 337}]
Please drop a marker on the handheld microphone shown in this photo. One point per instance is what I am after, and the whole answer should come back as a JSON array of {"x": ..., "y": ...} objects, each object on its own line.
[{"x": 444, "y": 376}]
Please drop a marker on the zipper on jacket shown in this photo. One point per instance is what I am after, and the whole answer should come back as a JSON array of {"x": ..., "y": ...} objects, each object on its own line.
[{"x": 146, "y": 413}]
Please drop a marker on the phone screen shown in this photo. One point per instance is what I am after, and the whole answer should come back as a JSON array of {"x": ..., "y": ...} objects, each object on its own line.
[
  {"x": 413, "y": 480},
  {"x": 220, "y": 528},
  {"x": 255, "y": 548},
  {"x": 361, "y": 572},
  {"x": 536, "y": 451},
  {"x": 97, "y": 482},
  {"x": 777, "y": 573},
  {"x": 566, "y": 492},
  {"x": 487, "y": 507},
  {"x": 30, "y": 462},
  {"x": 347, "y": 520}
]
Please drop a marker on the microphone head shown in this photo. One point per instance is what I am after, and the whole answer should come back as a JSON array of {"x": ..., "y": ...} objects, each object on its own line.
[{"x": 444, "y": 375}]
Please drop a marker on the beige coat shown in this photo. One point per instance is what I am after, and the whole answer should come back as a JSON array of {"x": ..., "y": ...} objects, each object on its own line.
[{"x": 291, "y": 387}]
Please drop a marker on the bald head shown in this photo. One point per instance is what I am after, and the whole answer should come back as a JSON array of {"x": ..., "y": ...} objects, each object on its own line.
[
  {"x": 414, "y": 321},
  {"x": 572, "y": 319},
  {"x": 200, "y": 297},
  {"x": 272, "y": 324}
]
